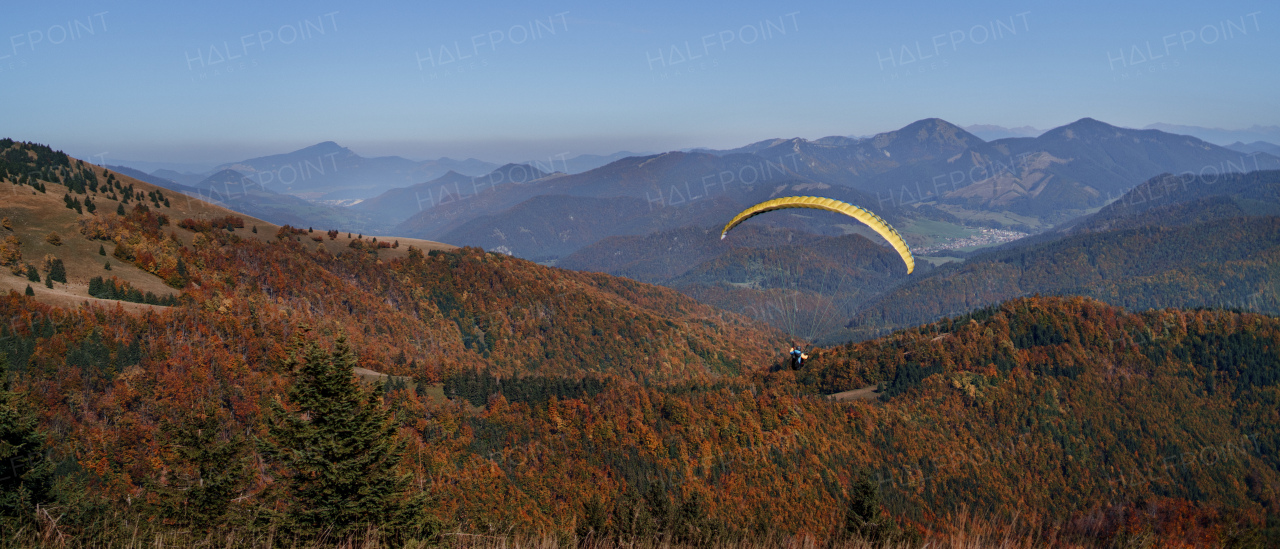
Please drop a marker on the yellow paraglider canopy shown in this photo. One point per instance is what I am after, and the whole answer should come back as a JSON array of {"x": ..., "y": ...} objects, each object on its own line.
[{"x": 818, "y": 203}]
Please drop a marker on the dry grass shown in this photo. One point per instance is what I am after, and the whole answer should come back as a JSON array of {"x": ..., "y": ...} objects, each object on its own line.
[
  {"x": 969, "y": 533},
  {"x": 33, "y": 216}
]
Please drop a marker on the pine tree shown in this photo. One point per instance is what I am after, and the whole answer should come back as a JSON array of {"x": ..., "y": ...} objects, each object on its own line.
[
  {"x": 27, "y": 477},
  {"x": 30, "y": 291},
  {"x": 32, "y": 274},
  {"x": 101, "y": 250},
  {"x": 120, "y": 209},
  {"x": 340, "y": 452},
  {"x": 48, "y": 282}
]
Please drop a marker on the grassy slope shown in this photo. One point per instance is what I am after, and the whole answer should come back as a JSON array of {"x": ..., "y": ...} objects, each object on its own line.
[{"x": 34, "y": 215}]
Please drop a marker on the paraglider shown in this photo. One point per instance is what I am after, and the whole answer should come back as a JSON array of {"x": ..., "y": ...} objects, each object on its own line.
[
  {"x": 797, "y": 356},
  {"x": 818, "y": 203}
]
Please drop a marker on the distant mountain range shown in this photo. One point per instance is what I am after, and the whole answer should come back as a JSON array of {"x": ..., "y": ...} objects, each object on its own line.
[
  {"x": 1056, "y": 175},
  {"x": 1220, "y": 136},
  {"x": 1256, "y": 147},
  {"x": 239, "y": 192},
  {"x": 157, "y": 180},
  {"x": 990, "y": 132},
  {"x": 1217, "y": 136},
  {"x": 329, "y": 172},
  {"x": 930, "y": 169},
  {"x": 397, "y": 205},
  {"x": 554, "y": 216}
]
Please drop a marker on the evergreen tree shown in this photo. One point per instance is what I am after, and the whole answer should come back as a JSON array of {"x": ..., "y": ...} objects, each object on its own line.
[
  {"x": 30, "y": 291},
  {"x": 211, "y": 470},
  {"x": 57, "y": 271},
  {"x": 101, "y": 250},
  {"x": 120, "y": 209},
  {"x": 340, "y": 452},
  {"x": 26, "y": 475},
  {"x": 48, "y": 282},
  {"x": 32, "y": 274},
  {"x": 863, "y": 518}
]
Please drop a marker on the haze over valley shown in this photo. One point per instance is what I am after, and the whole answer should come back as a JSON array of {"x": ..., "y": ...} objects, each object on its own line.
[{"x": 726, "y": 275}]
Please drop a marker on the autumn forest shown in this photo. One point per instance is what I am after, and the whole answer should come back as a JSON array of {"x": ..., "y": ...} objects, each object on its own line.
[{"x": 216, "y": 379}]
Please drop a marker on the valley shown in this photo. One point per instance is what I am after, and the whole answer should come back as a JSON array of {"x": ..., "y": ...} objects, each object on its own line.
[{"x": 680, "y": 393}]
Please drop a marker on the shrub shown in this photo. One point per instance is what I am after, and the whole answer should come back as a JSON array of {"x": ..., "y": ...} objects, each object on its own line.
[{"x": 10, "y": 251}]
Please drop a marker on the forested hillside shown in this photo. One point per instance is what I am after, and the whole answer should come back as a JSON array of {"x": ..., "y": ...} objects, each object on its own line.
[
  {"x": 587, "y": 406},
  {"x": 1171, "y": 242}
]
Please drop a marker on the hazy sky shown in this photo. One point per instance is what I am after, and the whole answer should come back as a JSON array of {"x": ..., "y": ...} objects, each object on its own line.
[{"x": 218, "y": 81}]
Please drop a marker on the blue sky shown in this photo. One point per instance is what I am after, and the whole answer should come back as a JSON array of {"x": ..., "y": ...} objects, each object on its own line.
[{"x": 214, "y": 82}]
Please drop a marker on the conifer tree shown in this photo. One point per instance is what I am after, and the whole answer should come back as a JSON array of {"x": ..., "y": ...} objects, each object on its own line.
[
  {"x": 340, "y": 452},
  {"x": 26, "y": 478},
  {"x": 57, "y": 271},
  {"x": 209, "y": 472},
  {"x": 863, "y": 517}
]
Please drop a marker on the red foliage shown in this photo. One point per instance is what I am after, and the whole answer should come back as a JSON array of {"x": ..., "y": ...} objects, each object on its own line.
[{"x": 204, "y": 225}]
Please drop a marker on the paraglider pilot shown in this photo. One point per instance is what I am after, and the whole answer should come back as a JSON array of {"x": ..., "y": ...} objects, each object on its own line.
[{"x": 797, "y": 357}]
